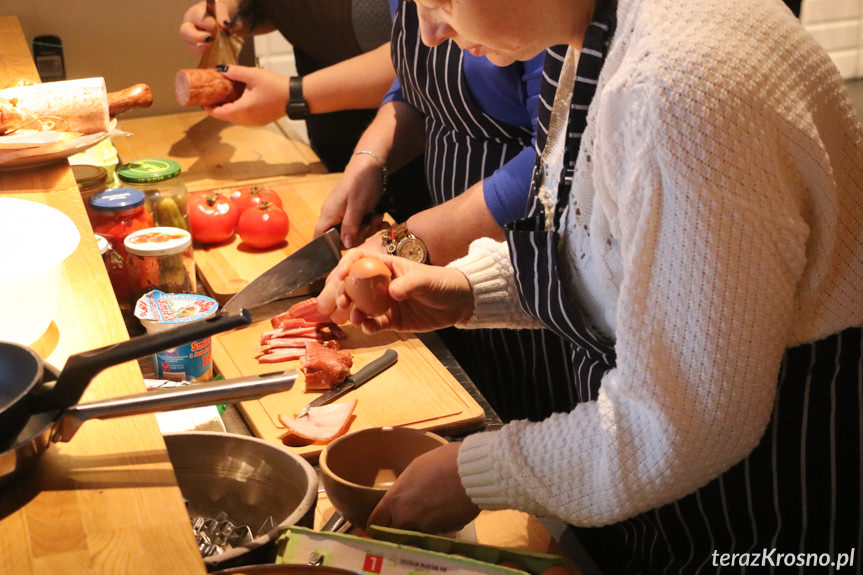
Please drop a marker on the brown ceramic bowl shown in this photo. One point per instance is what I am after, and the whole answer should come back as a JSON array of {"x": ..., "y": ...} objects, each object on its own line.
[{"x": 357, "y": 468}]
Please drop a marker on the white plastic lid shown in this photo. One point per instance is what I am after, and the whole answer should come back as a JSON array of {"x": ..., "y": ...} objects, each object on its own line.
[
  {"x": 158, "y": 310},
  {"x": 162, "y": 241},
  {"x": 102, "y": 243}
]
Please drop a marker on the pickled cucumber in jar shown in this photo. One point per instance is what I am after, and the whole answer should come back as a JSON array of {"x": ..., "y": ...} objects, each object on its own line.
[{"x": 168, "y": 214}]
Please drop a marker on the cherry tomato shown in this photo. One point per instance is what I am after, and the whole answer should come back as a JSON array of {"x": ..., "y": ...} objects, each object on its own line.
[
  {"x": 263, "y": 226},
  {"x": 212, "y": 219},
  {"x": 245, "y": 198}
]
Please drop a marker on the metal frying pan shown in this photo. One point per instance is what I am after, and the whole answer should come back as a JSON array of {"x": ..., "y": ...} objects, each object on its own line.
[
  {"x": 22, "y": 371},
  {"x": 45, "y": 427}
]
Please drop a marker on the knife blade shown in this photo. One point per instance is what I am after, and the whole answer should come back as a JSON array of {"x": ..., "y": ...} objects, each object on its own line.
[
  {"x": 354, "y": 381},
  {"x": 308, "y": 264}
]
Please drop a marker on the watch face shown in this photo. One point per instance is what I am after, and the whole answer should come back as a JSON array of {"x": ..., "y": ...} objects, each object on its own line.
[{"x": 412, "y": 249}]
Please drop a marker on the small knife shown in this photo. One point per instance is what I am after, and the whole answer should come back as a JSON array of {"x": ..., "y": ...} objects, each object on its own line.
[
  {"x": 352, "y": 382},
  {"x": 308, "y": 264}
]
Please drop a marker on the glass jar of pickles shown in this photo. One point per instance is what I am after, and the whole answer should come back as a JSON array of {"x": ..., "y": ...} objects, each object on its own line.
[
  {"x": 165, "y": 191},
  {"x": 160, "y": 258}
]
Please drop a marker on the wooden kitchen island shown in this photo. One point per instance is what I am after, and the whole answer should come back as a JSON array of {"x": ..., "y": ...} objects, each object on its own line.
[{"x": 108, "y": 502}]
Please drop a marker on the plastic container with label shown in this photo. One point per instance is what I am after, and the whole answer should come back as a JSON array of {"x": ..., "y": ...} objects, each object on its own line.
[
  {"x": 160, "y": 258},
  {"x": 166, "y": 193},
  {"x": 159, "y": 311}
]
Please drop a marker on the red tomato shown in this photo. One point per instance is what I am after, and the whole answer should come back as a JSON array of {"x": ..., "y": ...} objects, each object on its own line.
[
  {"x": 263, "y": 226},
  {"x": 245, "y": 198},
  {"x": 213, "y": 219}
]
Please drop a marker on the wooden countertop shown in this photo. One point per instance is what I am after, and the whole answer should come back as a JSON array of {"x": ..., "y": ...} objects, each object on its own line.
[
  {"x": 106, "y": 502},
  {"x": 213, "y": 153}
]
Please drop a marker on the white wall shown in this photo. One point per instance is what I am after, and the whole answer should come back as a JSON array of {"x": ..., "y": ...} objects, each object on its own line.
[
  {"x": 838, "y": 26},
  {"x": 124, "y": 41}
]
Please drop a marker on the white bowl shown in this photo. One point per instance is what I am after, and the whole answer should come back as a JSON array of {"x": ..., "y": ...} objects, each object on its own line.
[{"x": 35, "y": 239}]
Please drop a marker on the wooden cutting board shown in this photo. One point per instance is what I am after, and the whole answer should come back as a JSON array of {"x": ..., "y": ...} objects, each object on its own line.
[
  {"x": 226, "y": 268},
  {"x": 418, "y": 391}
]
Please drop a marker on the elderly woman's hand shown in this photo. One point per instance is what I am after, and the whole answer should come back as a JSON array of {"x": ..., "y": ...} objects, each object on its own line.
[
  {"x": 428, "y": 496},
  {"x": 423, "y": 297}
]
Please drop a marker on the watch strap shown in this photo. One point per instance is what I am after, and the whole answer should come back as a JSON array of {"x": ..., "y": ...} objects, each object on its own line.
[{"x": 297, "y": 107}]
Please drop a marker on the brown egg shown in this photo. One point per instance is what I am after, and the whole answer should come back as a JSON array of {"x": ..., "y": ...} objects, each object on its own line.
[{"x": 366, "y": 285}]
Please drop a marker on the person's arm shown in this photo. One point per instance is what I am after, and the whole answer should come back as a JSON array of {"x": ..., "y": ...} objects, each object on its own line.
[
  {"x": 484, "y": 208},
  {"x": 448, "y": 228},
  {"x": 359, "y": 190},
  {"x": 360, "y": 82}
]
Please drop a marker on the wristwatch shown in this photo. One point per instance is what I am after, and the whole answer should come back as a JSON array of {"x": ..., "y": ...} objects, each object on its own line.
[
  {"x": 400, "y": 242},
  {"x": 297, "y": 108}
]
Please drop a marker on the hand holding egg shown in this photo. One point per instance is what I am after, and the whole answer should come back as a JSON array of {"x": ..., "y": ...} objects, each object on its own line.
[
  {"x": 367, "y": 284},
  {"x": 414, "y": 297}
]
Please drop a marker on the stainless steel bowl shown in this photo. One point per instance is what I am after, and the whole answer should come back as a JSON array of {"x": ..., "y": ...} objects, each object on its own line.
[{"x": 250, "y": 480}]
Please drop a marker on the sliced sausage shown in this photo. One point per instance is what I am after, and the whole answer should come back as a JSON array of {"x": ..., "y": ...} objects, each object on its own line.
[{"x": 205, "y": 87}]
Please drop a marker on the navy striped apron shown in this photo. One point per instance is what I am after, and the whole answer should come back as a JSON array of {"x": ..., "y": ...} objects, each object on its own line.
[
  {"x": 463, "y": 146},
  {"x": 794, "y": 504}
]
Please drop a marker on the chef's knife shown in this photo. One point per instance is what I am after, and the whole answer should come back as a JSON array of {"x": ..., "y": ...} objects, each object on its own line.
[
  {"x": 352, "y": 382},
  {"x": 309, "y": 263}
]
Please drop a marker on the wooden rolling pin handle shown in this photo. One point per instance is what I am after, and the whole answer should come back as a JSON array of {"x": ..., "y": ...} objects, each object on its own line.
[{"x": 137, "y": 96}]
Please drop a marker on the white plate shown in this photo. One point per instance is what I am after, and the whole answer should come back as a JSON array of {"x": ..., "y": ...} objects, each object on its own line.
[{"x": 21, "y": 150}]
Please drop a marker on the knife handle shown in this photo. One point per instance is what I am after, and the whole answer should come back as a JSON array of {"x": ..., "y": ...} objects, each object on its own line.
[{"x": 374, "y": 367}]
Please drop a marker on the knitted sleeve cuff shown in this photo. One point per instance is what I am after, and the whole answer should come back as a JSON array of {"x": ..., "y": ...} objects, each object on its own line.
[
  {"x": 481, "y": 480},
  {"x": 490, "y": 273}
]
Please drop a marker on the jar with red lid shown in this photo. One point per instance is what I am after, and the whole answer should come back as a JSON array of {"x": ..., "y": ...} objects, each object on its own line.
[{"x": 117, "y": 212}]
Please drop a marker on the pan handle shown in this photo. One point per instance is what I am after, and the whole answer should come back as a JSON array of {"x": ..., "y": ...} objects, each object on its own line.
[
  {"x": 167, "y": 399},
  {"x": 82, "y": 367}
]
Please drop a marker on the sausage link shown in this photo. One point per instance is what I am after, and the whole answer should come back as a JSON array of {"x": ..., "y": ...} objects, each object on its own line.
[{"x": 205, "y": 87}]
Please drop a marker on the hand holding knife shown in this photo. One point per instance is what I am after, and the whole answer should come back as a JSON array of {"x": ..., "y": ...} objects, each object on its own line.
[{"x": 352, "y": 382}]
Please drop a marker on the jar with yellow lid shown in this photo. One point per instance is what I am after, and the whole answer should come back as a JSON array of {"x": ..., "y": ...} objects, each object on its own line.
[
  {"x": 91, "y": 180},
  {"x": 163, "y": 187}
]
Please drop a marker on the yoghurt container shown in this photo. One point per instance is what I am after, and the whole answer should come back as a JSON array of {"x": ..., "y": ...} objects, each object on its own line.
[{"x": 159, "y": 311}]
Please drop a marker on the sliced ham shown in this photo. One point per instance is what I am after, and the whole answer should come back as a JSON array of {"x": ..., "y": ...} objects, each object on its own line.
[
  {"x": 290, "y": 342},
  {"x": 324, "y": 366},
  {"x": 298, "y": 326},
  {"x": 322, "y": 424},
  {"x": 280, "y": 355},
  {"x": 308, "y": 310}
]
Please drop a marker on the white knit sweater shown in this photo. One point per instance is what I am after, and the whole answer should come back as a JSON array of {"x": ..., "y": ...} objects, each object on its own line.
[{"x": 719, "y": 196}]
